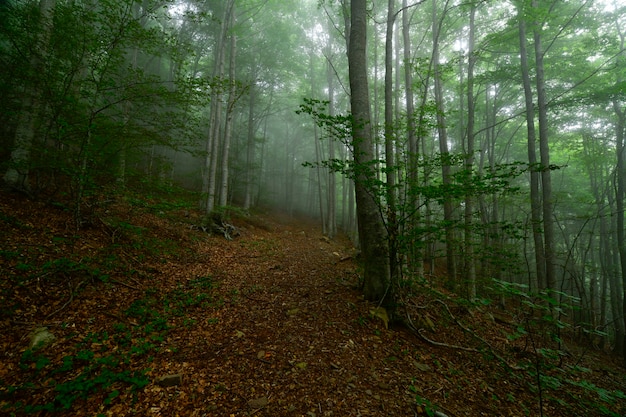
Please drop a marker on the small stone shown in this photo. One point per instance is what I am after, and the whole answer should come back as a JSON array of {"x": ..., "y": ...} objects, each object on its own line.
[{"x": 170, "y": 380}]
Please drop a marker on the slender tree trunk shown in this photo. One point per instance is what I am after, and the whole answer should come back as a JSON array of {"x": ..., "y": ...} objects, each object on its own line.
[
  {"x": 546, "y": 173},
  {"x": 228, "y": 127},
  {"x": 613, "y": 265},
  {"x": 535, "y": 196},
  {"x": 446, "y": 170},
  {"x": 620, "y": 137},
  {"x": 620, "y": 128},
  {"x": 209, "y": 178},
  {"x": 470, "y": 264},
  {"x": 416, "y": 256},
  {"x": 331, "y": 220},
  {"x": 251, "y": 139},
  {"x": 372, "y": 237},
  {"x": 390, "y": 162}
]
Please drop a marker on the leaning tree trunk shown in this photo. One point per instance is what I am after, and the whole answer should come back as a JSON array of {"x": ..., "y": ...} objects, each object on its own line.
[{"x": 370, "y": 223}]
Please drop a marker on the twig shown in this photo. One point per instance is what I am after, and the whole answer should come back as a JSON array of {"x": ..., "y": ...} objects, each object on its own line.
[
  {"x": 69, "y": 284},
  {"x": 419, "y": 332},
  {"x": 483, "y": 341},
  {"x": 124, "y": 284}
]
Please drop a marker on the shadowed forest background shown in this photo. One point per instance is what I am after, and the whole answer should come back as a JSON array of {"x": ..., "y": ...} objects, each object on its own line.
[{"x": 473, "y": 152}]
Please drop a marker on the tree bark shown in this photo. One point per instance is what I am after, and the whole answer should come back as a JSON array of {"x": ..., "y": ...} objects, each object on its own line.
[
  {"x": 535, "y": 196},
  {"x": 546, "y": 176},
  {"x": 620, "y": 130},
  {"x": 232, "y": 99},
  {"x": 209, "y": 178},
  {"x": 390, "y": 163},
  {"x": 446, "y": 171},
  {"x": 331, "y": 220},
  {"x": 470, "y": 264},
  {"x": 416, "y": 256},
  {"x": 370, "y": 223}
]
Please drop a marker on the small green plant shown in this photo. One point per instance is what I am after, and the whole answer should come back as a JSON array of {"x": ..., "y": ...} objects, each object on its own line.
[
  {"x": 540, "y": 330},
  {"x": 31, "y": 360}
]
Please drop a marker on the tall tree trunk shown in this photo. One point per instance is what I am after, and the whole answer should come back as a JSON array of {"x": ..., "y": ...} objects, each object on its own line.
[
  {"x": 535, "y": 196},
  {"x": 620, "y": 137},
  {"x": 446, "y": 170},
  {"x": 209, "y": 177},
  {"x": 331, "y": 221},
  {"x": 390, "y": 162},
  {"x": 416, "y": 256},
  {"x": 546, "y": 173},
  {"x": 613, "y": 265},
  {"x": 372, "y": 237},
  {"x": 230, "y": 110},
  {"x": 251, "y": 139},
  {"x": 620, "y": 131},
  {"x": 470, "y": 264}
]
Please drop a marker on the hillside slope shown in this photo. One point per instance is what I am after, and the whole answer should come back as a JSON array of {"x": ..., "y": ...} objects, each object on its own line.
[{"x": 153, "y": 316}]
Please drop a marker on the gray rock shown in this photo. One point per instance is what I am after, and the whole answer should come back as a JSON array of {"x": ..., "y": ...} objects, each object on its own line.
[{"x": 40, "y": 338}]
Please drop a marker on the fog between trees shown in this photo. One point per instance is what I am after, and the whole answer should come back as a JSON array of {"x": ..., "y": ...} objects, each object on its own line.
[{"x": 497, "y": 128}]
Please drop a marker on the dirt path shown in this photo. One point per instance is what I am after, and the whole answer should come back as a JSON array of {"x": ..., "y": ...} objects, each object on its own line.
[{"x": 293, "y": 337}]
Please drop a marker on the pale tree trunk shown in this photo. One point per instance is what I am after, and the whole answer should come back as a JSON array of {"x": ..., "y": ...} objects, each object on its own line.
[
  {"x": 228, "y": 127},
  {"x": 620, "y": 130},
  {"x": 372, "y": 237},
  {"x": 16, "y": 174},
  {"x": 209, "y": 177},
  {"x": 261, "y": 168},
  {"x": 331, "y": 220},
  {"x": 318, "y": 151},
  {"x": 535, "y": 196},
  {"x": 390, "y": 162},
  {"x": 446, "y": 171},
  {"x": 546, "y": 180},
  {"x": 620, "y": 137},
  {"x": 601, "y": 189},
  {"x": 250, "y": 145},
  {"x": 470, "y": 263},
  {"x": 613, "y": 266},
  {"x": 417, "y": 263}
]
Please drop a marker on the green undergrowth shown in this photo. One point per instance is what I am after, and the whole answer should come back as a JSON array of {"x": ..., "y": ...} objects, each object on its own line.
[{"x": 110, "y": 362}]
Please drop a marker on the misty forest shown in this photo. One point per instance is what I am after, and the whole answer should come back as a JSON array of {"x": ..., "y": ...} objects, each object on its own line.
[{"x": 313, "y": 207}]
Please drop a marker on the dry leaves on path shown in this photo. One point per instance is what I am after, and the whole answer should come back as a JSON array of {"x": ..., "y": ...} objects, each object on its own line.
[{"x": 269, "y": 324}]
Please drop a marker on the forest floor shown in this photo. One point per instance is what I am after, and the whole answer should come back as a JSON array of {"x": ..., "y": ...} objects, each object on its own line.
[{"x": 152, "y": 316}]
